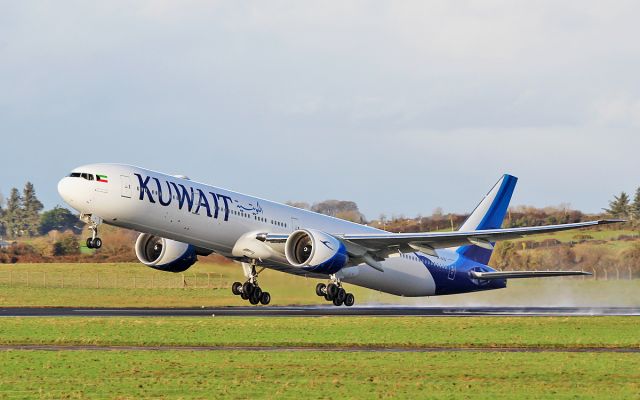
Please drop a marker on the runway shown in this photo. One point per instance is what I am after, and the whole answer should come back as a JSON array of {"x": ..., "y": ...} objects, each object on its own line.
[
  {"x": 329, "y": 349},
  {"x": 318, "y": 311}
]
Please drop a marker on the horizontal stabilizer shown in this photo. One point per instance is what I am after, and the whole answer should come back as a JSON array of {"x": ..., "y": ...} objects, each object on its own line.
[{"x": 524, "y": 274}]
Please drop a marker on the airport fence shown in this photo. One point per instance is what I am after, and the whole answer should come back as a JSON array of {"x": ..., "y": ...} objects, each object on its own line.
[{"x": 46, "y": 279}]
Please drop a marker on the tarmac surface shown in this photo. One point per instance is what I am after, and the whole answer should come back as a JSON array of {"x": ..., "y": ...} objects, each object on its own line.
[
  {"x": 317, "y": 311},
  {"x": 331, "y": 349}
]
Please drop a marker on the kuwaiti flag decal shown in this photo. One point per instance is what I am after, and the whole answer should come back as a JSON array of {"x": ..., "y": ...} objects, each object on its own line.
[{"x": 102, "y": 178}]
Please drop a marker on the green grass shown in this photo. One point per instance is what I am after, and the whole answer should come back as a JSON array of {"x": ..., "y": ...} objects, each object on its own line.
[
  {"x": 316, "y": 375},
  {"x": 321, "y": 374},
  {"x": 552, "y": 332},
  {"x": 92, "y": 285}
]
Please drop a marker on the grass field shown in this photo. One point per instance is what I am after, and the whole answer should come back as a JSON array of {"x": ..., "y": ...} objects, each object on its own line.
[
  {"x": 127, "y": 374},
  {"x": 551, "y": 332},
  {"x": 318, "y": 374},
  {"x": 93, "y": 285}
]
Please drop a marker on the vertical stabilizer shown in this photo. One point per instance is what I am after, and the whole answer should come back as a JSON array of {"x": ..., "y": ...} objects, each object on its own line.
[{"x": 489, "y": 214}]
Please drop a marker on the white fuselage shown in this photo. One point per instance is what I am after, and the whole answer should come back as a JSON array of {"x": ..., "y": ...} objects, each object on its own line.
[{"x": 227, "y": 222}]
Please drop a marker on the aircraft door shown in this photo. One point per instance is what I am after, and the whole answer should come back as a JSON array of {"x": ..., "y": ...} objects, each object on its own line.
[
  {"x": 125, "y": 182},
  {"x": 295, "y": 224}
]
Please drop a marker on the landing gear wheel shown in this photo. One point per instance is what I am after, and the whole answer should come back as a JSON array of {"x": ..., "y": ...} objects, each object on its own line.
[
  {"x": 235, "y": 288},
  {"x": 257, "y": 292},
  {"x": 248, "y": 288},
  {"x": 332, "y": 290},
  {"x": 244, "y": 296},
  {"x": 349, "y": 300},
  {"x": 265, "y": 298},
  {"x": 90, "y": 243},
  {"x": 254, "y": 299},
  {"x": 337, "y": 301},
  {"x": 341, "y": 295},
  {"x": 326, "y": 297},
  {"x": 321, "y": 289},
  {"x": 97, "y": 243}
]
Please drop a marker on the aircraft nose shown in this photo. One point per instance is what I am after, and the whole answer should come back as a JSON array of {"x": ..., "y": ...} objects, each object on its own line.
[{"x": 64, "y": 189}]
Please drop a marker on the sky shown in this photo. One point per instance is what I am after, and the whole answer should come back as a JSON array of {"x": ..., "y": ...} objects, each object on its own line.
[{"x": 401, "y": 106}]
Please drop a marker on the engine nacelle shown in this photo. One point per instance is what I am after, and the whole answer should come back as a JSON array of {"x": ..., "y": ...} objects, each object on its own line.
[
  {"x": 315, "y": 251},
  {"x": 165, "y": 254}
]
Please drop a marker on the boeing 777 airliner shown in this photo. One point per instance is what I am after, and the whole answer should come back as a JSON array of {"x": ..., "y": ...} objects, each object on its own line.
[{"x": 180, "y": 219}]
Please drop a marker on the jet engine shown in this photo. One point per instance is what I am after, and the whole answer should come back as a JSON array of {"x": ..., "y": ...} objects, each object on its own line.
[
  {"x": 165, "y": 254},
  {"x": 316, "y": 251}
]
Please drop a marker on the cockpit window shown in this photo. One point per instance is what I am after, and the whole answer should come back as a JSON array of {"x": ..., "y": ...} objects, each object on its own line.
[{"x": 82, "y": 175}]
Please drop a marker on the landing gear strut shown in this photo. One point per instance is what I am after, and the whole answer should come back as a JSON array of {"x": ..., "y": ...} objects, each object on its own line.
[
  {"x": 249, "y": 290},
  {"x": 94, "y": 242},
  {"x": 335, "y": 293}
]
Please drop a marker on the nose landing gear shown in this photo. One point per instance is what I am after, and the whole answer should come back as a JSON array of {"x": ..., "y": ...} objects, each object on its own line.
[
  {"x": 94, "y": 242},
  {"x": 335, "y": 293},
  {"x": 250, "y": 290}
]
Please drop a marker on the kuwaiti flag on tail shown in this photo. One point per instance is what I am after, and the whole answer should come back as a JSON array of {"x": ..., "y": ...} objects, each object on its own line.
[{"x": 102, "y": 178}]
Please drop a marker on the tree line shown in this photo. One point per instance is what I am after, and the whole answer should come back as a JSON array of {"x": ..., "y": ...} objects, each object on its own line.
[
  {"x": 623, "y": 207},
  {"x": 21, "y": 215}
]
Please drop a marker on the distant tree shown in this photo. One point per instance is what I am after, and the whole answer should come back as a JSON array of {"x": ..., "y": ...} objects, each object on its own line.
[
  {"x": 31, "y": 208},
  {"x": 340, "y": 209},
  {"x": 635, "y": 206},
  {"x": 619, "y": 207},
  {"x": 13, "y": 214},
  {"x": 298, "y": 204},
  {"x": 58, "y": 218}
]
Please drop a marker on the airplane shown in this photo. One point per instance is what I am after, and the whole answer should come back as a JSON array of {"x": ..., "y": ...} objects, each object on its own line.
[{"x": 180, "y": 219}]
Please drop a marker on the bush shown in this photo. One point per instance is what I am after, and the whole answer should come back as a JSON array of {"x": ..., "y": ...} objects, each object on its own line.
[{"x": 66, "y": 246}]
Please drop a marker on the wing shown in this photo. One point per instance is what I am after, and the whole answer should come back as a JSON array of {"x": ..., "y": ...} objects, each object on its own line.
[
  {"x": 380, "y": 245},
  {"x": 523, "y": 274},
  {"x": 428, "y": 242}
]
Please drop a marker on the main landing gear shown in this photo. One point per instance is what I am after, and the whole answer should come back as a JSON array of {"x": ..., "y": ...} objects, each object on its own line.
[
  {"x": 94, "y": 242},
  {"x": 335, "y": 293},
  {"x": 250, "y": 290}
]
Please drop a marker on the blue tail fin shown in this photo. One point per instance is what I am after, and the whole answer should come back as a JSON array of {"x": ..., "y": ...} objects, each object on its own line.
[{"x": 489, "y": 214}]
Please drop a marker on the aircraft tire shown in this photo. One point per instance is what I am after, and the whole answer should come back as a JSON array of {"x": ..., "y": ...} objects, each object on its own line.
[
  {"x": 253, "y": 299},
  {"x": 265, "y": 298},
  {"x": 257, "y": 292},
  {"x": 349, "y": 300},
  {"x": 341, "y": 294},
  {"x": 97, "y": 243},
  {"x": 247, "y": 288},
  {"x": 235, "y": 288},
  {"x": 320, "y": 287},
  {"x": 332, "y": 290},
  {"x": 337, "y": 301},
  {"x": 90, "y": 243},
  {"x": 244, "y": 296}
]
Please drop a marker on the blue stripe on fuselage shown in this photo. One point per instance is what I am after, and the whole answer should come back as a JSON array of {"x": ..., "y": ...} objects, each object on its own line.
[{"x": 453, "y": 277}]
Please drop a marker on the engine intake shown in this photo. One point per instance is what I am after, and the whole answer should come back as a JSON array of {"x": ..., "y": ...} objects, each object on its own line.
[
  {"x": 316, "y": 251},
  {"x": 164, "y": 254}
]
